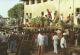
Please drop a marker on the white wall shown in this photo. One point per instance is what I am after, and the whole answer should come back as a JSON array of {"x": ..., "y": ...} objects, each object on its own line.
[{"x": 65, "y": 7}]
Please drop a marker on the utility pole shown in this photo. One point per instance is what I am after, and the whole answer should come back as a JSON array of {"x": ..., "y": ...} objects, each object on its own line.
[
  {"x": 59, "y": 5},
  {"x": 73, "y": 15}
]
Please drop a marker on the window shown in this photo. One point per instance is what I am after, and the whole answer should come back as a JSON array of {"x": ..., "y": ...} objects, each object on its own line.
[
  {"x": 26, "y": 13},
  {"x": 30, "y": 15},
  {"x": 32, "y": 1},
  {"x": 77, "y": 11},
  {"x": 42, "y": 13},
  {"x": 27, "y": 2},
  {"x": 44, "y": 0},
  {"x": 27, "y": 20},
  {"x": 38, "y": 1}
]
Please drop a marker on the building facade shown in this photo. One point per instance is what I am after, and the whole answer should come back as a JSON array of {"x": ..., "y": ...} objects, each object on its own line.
[{"x": 34, "y": 8}]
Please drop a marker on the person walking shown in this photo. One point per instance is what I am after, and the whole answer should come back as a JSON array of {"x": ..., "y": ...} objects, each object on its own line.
[{"x": 55, "y": 42}]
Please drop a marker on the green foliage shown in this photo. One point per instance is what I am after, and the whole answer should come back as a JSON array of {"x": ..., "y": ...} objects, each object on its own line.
[
  {"x": 17, "y": 11},
  {"x": 36, "y": 20},
  {"x": 40, "y": 21},
  {"x": 13, "y": 22}
]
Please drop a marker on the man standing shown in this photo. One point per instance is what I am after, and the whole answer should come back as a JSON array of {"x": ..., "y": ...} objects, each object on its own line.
[
  {"x": 55, "y": 42},
  {"x": 63, "y": 43},
  {"x": 49, "y": 15},
  {"x": 13, "y": 42},
  {"x": 3, "y": 44},
  {"x": 46, "y": 42},
  {"x": 40, "y": 40},
  {"x": 78, "y": 18}
]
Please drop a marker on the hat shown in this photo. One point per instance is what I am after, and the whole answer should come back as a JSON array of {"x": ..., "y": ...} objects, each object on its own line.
[
  {"x": 58, "y": 31},
  {"x": 64, "y": 33}
]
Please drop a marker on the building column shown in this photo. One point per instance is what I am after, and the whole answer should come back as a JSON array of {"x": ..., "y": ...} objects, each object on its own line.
[
  {"x": 35, "y": 1},
  {"x": 24, "y": 14},
  {"x": 48, "y": 0},
  {"x": 41, "y": 1},
  {"x": 29, "y": 2}
]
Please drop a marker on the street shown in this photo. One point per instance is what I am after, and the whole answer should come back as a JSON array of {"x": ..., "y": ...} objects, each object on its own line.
[
  {"x": 48, "y": 53},
  {"x": 52, "y": 53},
  {"x": 11, "y": 53}
]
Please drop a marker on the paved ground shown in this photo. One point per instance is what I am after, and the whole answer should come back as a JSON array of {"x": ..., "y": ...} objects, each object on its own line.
[
  {"x": 48, "y": 53},
  {"x": 11, "y": 53},
  {"x": 36, "y": 54}
]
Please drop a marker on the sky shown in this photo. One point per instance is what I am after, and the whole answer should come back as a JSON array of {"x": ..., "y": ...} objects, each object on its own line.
[{"x": 5, "y": 5}]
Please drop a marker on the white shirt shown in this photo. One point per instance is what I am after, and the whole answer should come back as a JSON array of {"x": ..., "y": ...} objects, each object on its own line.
[
  {"x": 78, "y": 16},
  {"x": 40, "y": 39},
  {"x": 67, "y": 32},
  {"x": 61, "y": 18},
  {"x": 63, "y": 42},
  {"x": 58, "y": 31},
  {"x": 4, "y": 39},
  {"x": 55, "y": 38}
]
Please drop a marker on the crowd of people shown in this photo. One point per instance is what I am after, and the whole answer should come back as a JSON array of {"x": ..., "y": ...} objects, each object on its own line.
[
  {"x": 3, "y": 43},
  {"x": 41, "y": 41},
  {"x": 60, "y": 41}
]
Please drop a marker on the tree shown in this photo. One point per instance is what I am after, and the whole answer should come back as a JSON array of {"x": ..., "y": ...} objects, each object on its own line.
[
  {"x": 17, "y": 11},
  {"x": 39, "y": 21},
  {"x": 2, "y": 21}
]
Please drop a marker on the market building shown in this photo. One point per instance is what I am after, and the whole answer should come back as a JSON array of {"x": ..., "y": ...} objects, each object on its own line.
[{"x": 34, "y": 8}]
